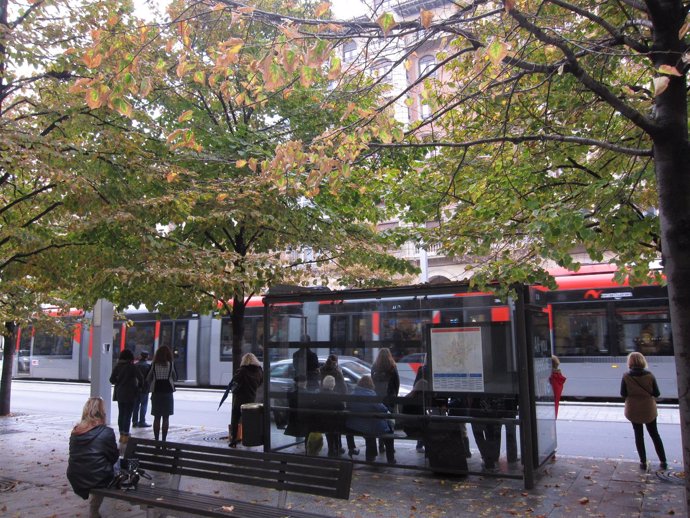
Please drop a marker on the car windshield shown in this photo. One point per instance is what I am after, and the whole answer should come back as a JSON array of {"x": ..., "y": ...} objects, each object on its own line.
[{"x": 356, "y": 368}]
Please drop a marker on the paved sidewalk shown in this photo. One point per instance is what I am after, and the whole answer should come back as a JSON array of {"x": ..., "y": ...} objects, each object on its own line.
[{"x": 33, "y": 460}]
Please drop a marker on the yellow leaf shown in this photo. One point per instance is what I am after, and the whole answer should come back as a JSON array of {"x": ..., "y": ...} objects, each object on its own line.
[
  {"x": 669, "y": 70},
  {"x": 335, "y": 70},
  {"x": 246, "y": 10},
  {"x": 386, "y": 21},
  {"x": 171, "y": 176},
  {"x": 660, "y": 84},
  {"x": 222, "y": 196},
  {"x": 185, "y": 116},
  {"x": 240, "y": 163},
  {"x": 93, "y": 99},
  {"x": 146, "y": 86},
  {"x": 683, "y": 30},
  {"x": 200, "y": 77},
  {"x": 426, "y": 17},
  {"x": 219, "y": 7},
  {"x": 497, "y": 51},
  {"x": 322, "y": 9}
]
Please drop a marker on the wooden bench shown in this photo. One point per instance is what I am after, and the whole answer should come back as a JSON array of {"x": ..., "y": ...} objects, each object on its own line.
[{"x": 285, "y": 472}]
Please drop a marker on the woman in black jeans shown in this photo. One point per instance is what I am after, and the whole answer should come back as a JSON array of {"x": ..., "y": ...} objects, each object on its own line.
[
  {"x": 127, "y": 380},
  {"x": 639, "y": 389}
]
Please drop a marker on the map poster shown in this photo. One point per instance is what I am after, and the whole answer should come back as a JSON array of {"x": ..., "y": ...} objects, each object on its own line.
[{"x": 456, "y": 359}]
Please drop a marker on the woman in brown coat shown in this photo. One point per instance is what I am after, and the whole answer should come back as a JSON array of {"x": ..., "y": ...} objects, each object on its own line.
[{"x": 639, "y": 389}]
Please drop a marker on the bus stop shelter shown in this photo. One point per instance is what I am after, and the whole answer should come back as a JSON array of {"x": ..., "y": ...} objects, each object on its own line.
[{"x": 484, "y": 363}]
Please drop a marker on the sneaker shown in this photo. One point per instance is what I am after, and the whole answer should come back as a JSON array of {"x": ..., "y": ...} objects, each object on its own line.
[
  {"x": 144, "y": 425},
  {"x": 135, "y": 425},
  {"x": 420, "y": 449},
  {"x": 353, "y": 451},
  {"x": 663, "y": 465}
]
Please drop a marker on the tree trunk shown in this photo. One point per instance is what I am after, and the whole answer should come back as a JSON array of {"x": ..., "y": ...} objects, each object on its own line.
[
  {"x": 6, "y": 380},
  {"x": 672, "y": 168},
  {"x": 237, "y": 318}
]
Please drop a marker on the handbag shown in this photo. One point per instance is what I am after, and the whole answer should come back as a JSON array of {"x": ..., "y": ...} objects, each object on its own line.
[{"x": 129, "y": 475}]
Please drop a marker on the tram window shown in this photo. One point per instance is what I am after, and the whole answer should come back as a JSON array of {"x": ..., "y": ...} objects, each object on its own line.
[
  {"x": 52, "y": 345},
  {"x": 252, "y": 341},
  {"x": 581, "y": 332},
  {"x": 646, "y": 330},
  {"x": 140, "y": 337}
]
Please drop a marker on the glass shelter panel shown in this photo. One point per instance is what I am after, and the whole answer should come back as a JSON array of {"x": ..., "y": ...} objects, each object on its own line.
[
  {"x": 360, "y": 328},
  {"x": 545, "y": 411}
]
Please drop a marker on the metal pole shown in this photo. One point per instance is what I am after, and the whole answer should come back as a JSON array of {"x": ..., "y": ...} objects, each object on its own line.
[
  {"x": 526, "y": 409},
  {"x": 424, "y": 265},
  {"x": 102, "y": 353}
]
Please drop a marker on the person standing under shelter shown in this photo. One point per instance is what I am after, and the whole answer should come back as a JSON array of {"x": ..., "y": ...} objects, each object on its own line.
[
  {"x": 162, "y": 377},
  {"x": 141, "y": 404},
  {"x": 127, "y": 380},
  {"x": 305, "y": 362},
  {"x": 92, "y": 454},
  {"x": 246, "y": 381},
  {"x": 640, "y": 390},
  {"x": 384, "y": 374}
]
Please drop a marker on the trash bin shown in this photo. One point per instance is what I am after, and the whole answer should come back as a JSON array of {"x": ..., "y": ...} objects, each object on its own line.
[
  {"x": 446, "y": 448},
  {"x": 252, "y": 424}
]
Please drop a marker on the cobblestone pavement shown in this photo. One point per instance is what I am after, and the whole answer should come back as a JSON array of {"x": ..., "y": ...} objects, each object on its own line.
[{"x": 33, "y": 460}]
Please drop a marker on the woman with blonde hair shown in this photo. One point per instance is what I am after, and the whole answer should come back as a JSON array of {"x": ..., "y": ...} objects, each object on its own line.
[
  {"x": 640, "y": 390},
  {"x": 92, "y": 453},
  {"x": 162, "y": 376},
  {"x": 246, "y": 382}
]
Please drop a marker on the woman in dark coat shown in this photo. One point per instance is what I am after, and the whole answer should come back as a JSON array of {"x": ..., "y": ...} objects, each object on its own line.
[
  {"x": 384, "y": 373},
  {"x": 92, "y": 453},
  {"x": 640, "y": 390},
  {"x": 247, "y": 381},
  {"x": 368, "y": 426},
  {"x": 128, "y": 380},
  {"x": 330, "y": 368},
  {"x": 162, "y": 377}
]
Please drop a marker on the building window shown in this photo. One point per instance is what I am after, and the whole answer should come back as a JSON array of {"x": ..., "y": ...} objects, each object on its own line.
[
  {"x": 425, "y": 109},
  {"x": 382, "y": 70},
  {"x": 349, "y": 51},
  {"x": 426, "y": 63}
]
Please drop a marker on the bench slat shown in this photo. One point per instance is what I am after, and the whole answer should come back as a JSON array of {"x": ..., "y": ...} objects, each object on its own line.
[
  {"x": 204, "y": 505},
  {"x": 318, "y": 476}
]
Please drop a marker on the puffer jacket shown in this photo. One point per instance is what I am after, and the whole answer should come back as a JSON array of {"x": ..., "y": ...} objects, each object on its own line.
[
  {"x": 91, "y": 458},
  {"x": 640, "y": 390},
  {"x": 368, "y": 426}
]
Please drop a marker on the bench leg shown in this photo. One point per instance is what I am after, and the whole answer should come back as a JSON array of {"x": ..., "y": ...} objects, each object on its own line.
[{"x": 282, "y": 499}]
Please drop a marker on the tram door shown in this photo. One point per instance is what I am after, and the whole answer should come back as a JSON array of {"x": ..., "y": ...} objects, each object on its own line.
[
  {"x": 24, "y": 351},
  {"x": 174, "y": 334}
]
